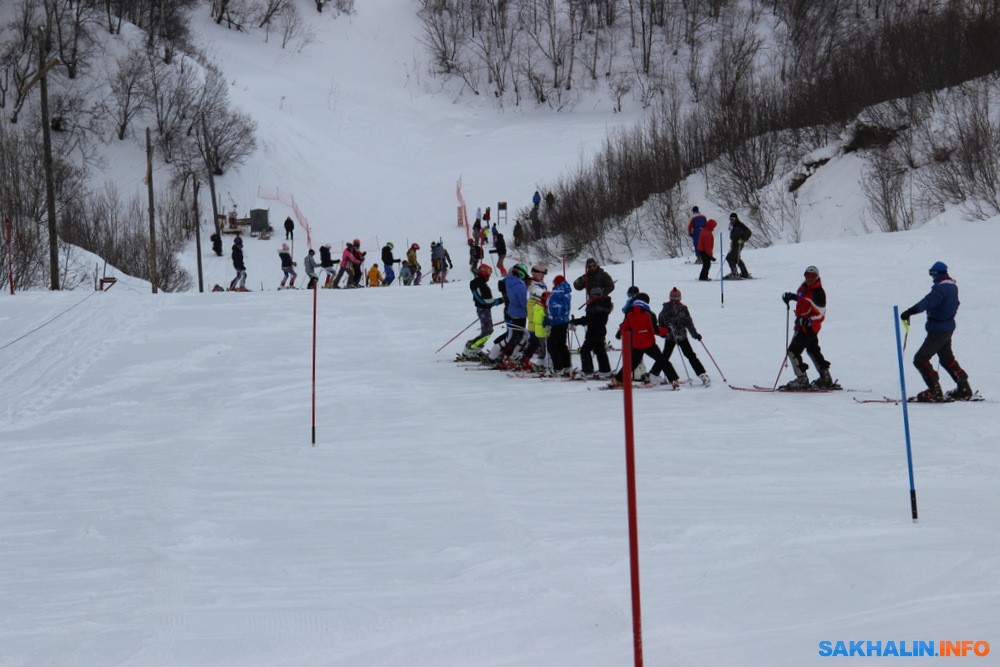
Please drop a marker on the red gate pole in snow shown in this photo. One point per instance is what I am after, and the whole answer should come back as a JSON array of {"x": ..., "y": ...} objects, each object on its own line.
[
  {"x": 633, "y": 523},
  {"x": 315, "y": 292}
]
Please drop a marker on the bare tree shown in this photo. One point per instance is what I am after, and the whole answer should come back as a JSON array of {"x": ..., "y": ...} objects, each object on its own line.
[{"x": 126, "y": 83}]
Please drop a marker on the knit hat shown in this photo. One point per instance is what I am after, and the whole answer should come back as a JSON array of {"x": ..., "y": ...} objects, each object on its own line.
[
  {"x": 238, "y": 240},
  {"x": 591, "y": 262},
  {"x": 811, "y": 269},
  {"x": 694, "y": 209},
  {"x": 284, "y": 247},
  {"x": 733, "y": 216},
  {"x": 558, "y": 280},
  {"x": 675, "y": 294},
  {"x": 938, "y": 269},
  {"x": 632, "y": 291}
]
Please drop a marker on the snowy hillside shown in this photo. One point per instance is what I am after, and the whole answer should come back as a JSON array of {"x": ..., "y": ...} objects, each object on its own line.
[{"x": 162, "y": 504}]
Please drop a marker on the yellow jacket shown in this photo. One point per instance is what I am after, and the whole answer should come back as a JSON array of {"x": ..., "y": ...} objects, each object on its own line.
[
  {"x": 374, "y": 277},
  {"x": 536, "y": 317}
]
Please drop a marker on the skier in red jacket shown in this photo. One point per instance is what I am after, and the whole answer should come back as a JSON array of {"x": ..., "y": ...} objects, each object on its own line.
[
  {"x": 810, "y": 311},
  {"x": 641, "y": 323}
]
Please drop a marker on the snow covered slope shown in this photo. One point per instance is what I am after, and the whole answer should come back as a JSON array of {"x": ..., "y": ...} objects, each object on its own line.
[{"x": 162, "y": 503}]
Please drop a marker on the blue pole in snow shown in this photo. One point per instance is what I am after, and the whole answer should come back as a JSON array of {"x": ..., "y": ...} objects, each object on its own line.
[{"x": 906, "y": 416}]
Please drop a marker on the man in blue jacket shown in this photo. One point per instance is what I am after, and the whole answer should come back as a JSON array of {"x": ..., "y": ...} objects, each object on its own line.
[{"x": 941, "y": 304}]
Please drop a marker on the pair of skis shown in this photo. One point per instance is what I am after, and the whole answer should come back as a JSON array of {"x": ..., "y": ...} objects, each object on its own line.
[
  {"x": 975, "y": 398},
  {"x": 779, "y": 390}
]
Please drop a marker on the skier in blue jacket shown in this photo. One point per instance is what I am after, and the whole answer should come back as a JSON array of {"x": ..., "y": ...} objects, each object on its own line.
[
  {"x": 514, "y": 289},
  {"x": 558, "y": 316},
  {"x": 941, "y": 305}
]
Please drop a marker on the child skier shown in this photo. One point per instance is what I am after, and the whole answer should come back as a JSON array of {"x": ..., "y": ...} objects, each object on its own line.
[
  {"x": 287, "y": 266},
  {"x": 239, "y": 283},
  {"x": 411, "y": 257},
  {"x": 676, "y": 318},
  {"x": 310, "y": 264},
  {"x": 482, "y": 299},
  {"x": 374, "y": 277},
  {"x": 558, "y": 316},
  {"x": 810, "y": 312},
  {"x": 326, "y": 262},
  {"x": 642, "y": 325}
]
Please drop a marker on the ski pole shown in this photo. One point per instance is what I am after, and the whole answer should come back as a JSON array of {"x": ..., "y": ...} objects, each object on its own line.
[
  {"x": 456, "y": 335},
  {"x": 684, "y": 364},
  {"x": 722, "y": 288},
  {"x": 784, "y": 359},
  {"x": 713, "y": 361},
  {"x": 906, "y": 417}
]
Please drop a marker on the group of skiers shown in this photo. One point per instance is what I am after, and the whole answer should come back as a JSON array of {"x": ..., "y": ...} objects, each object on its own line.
[
  {"x": 702, "y": 231},
  {"x": 538, "y": 324},
  {"x": 351, "y": 266},
  {"x": 539, "y": 320}
]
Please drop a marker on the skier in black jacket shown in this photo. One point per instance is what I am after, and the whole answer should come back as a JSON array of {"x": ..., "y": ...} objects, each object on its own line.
[
  {"x": 326, "y": 262},
  {"x": 482, "y": 299},
  {"x": 239, "y": 283},
  {"x": 739, "y": 234},
  {"x": 387, "y": 261},
  {"x": 597, "y": 286}
]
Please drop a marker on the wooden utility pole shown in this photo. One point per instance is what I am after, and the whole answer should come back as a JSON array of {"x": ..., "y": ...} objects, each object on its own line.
[
  {"x": 152, "y": 212},
  {"x": 197, "y": 233},
  {"x": 41, "y": 78}
]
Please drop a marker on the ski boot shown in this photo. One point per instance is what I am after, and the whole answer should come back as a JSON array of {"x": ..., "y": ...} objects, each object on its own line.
[
  {"x": 800, "y": 383},
  {"x": 961, "y": 393},
  {"x": 825, "y": 381},
  {"x": 705, "y": 380},
  {"x": 931, "y": 395}
]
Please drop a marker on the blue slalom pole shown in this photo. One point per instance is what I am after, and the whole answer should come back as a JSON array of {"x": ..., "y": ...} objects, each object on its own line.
[{"x": 906, "y": 416}]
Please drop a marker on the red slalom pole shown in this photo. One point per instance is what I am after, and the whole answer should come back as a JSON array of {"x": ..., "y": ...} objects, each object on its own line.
[
  {"x": 633, "y": 523},
  {"x": 315, "y": 292}
]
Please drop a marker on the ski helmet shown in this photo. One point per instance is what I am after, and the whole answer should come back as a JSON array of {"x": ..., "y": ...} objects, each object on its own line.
[
  {"x": 813, "y": 270},
  {"x": 390, "y": 245},
  {"x": 632, "y": 291},
  {"x": 485, "y": 270},
  {"x": 357, "y": 242},
  {"x": 520, "y": 271},
  {"x": 538, "y": 268}
]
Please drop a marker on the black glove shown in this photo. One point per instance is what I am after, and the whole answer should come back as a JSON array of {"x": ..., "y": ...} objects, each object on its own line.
[
  {"x": 696, "y": 336},
  {"x": 907, "y": 314},
  {"x": 788, "y": 296},
  {"x": 618, "y": 334},
  {"x": 802, "y": 322}
]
